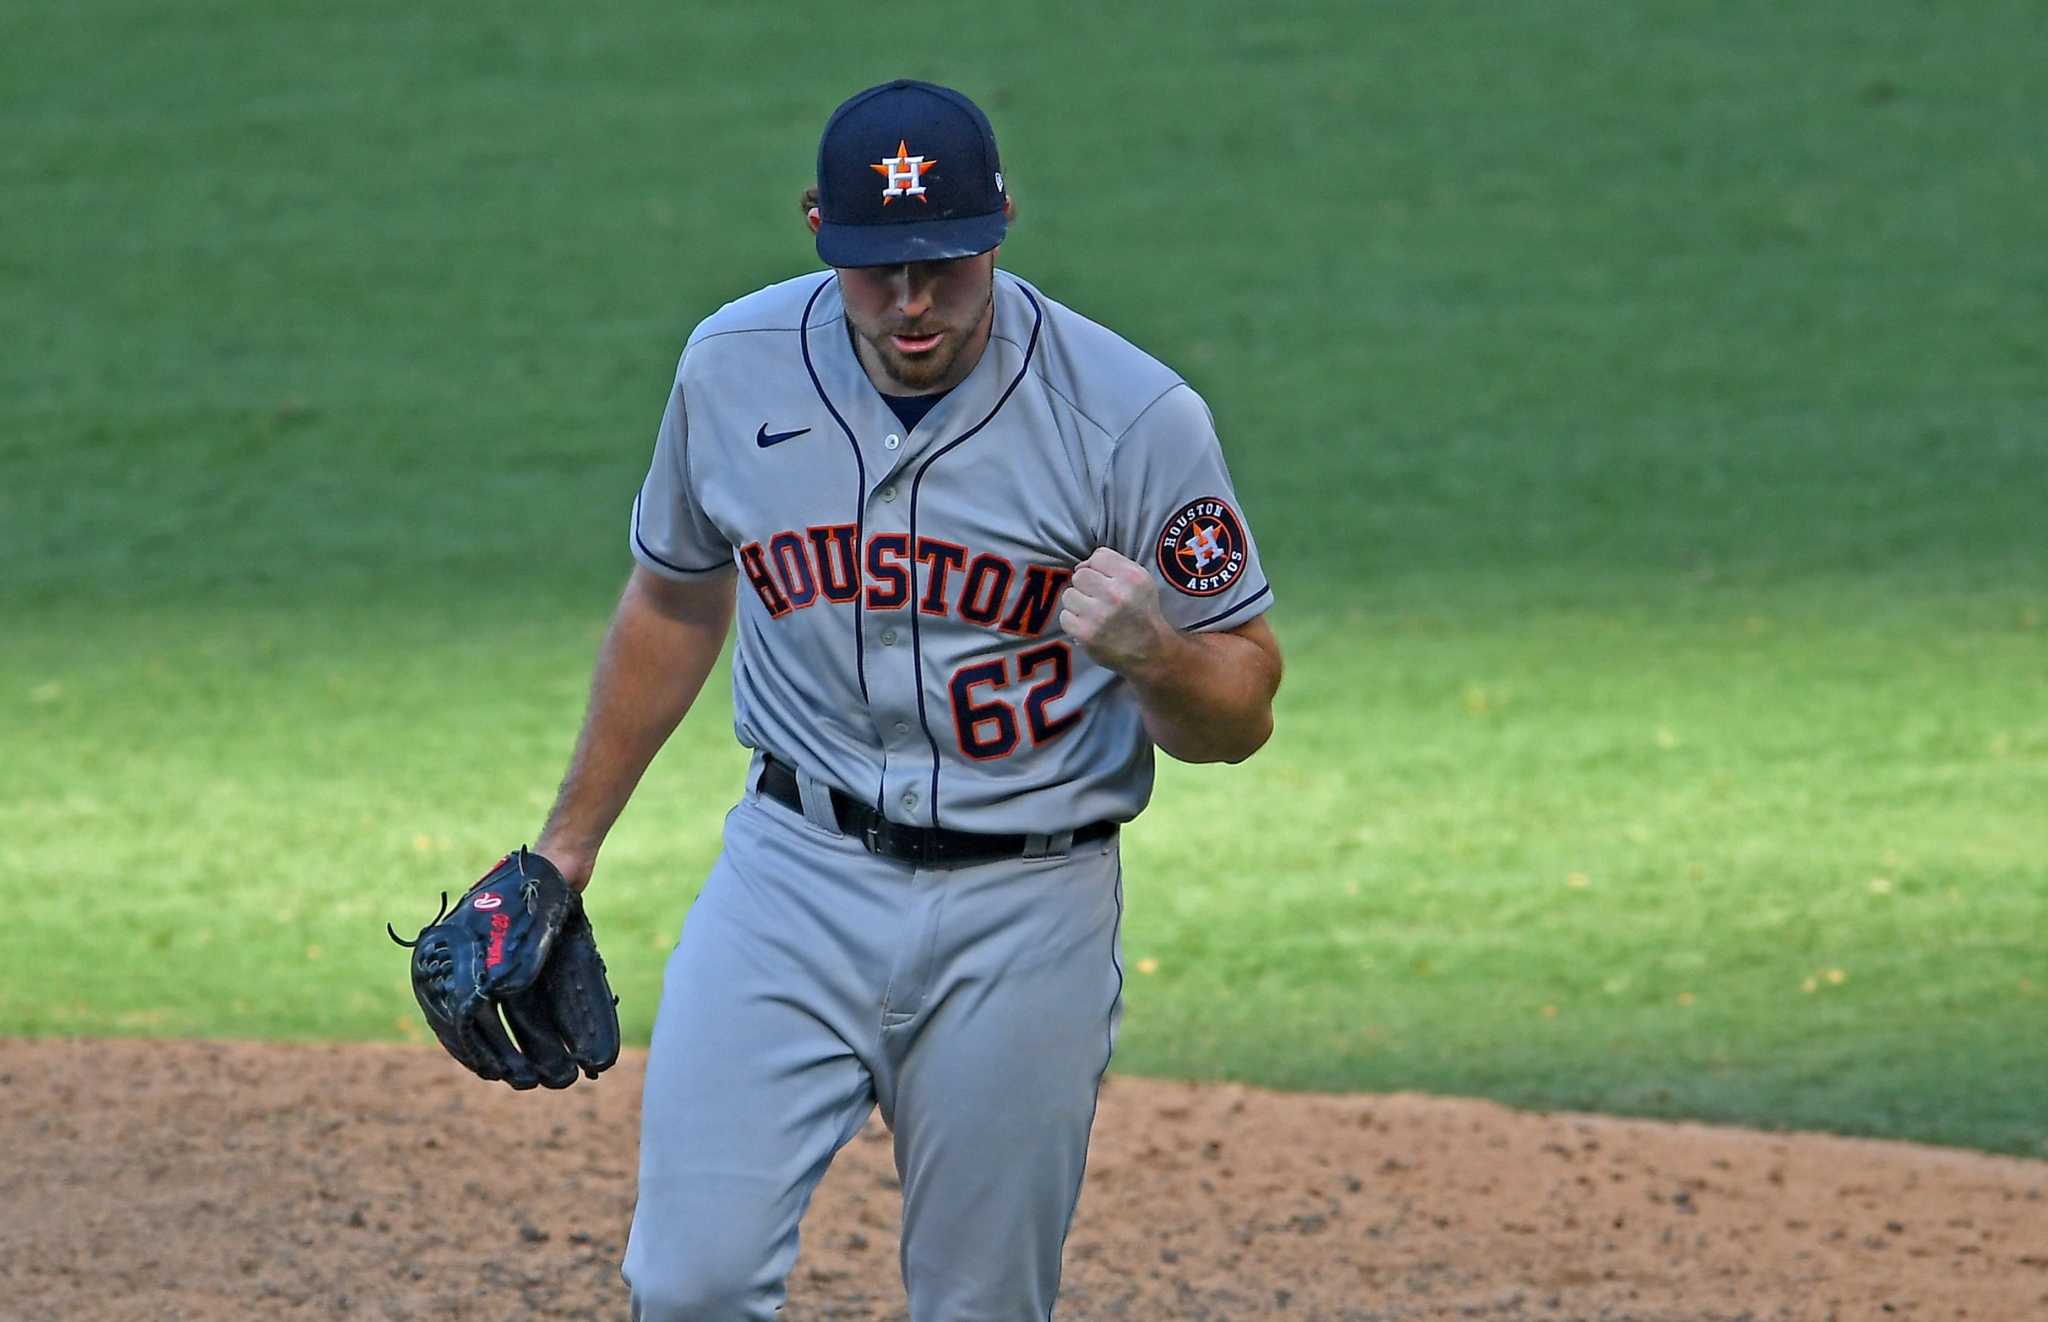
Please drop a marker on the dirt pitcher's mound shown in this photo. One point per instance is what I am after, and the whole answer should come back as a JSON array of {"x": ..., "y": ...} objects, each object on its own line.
[{"x": 219, "y": 1180}]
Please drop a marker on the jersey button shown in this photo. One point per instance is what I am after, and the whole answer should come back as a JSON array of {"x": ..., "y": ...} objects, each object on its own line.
[
  {"x": 902, "y": 729},
  {"x": 891, "y": 441},
  {"x": 888, "y": 493},
  {"x": 910, "y": 800},
  {"x": 888, "y": 637}
]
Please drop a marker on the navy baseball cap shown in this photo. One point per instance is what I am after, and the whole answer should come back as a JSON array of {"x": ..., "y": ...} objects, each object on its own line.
[{"x": 908, "y": 172}]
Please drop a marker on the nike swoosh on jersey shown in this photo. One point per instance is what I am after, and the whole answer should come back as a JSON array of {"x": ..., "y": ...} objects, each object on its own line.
[{"x": 765, "y": 438}]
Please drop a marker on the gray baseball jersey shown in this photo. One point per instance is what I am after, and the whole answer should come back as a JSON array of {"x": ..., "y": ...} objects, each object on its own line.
[{"x": 898, "y": 611}]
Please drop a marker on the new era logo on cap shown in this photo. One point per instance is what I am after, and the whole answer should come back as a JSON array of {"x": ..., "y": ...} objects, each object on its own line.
[{"x": 929, "y": 145}]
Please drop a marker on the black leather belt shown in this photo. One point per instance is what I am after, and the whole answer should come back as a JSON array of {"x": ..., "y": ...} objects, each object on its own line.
[{"x": 926, "y": 846}]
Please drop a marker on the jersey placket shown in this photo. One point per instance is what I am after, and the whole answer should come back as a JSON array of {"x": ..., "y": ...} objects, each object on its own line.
[{"x": 890, "y": 637}]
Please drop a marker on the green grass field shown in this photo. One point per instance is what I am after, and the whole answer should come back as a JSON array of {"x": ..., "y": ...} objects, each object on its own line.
[{"x": 1643, "y": 410}]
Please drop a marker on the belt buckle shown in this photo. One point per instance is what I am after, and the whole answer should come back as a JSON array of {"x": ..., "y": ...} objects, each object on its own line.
[{"x": 871, "y": 838}]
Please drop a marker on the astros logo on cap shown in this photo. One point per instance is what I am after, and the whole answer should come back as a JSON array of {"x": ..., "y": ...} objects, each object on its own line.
[
  {"x": 905, "y": 173},
  {"x": 1201, "y": 549}
]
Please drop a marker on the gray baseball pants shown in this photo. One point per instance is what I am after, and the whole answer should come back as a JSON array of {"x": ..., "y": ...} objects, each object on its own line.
[{"x": 813, "y": 981}]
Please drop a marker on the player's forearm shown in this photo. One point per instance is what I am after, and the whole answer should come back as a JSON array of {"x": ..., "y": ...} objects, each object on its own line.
[
  {"x": 663, "y": 641},
  {"x": 1208, "y": 697}
]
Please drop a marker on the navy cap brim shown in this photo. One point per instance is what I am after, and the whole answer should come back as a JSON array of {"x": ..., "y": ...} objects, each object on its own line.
[{"x": 911, "y": 241}]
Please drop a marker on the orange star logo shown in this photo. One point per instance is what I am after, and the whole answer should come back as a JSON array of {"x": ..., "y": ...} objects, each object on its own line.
[{"x": 905, "y": 173}]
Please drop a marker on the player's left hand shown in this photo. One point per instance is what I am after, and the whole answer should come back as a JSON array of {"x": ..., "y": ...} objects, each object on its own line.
[
  {"x": 1111, "y": 608},
  {"x": 520, "y": 942}
]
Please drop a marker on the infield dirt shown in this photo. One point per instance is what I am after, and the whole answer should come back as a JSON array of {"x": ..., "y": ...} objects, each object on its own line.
[{"x": 167, "y": 1180}]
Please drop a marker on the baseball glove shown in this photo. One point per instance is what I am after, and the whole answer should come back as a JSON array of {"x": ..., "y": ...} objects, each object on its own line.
[{"x": 518, "y": 940}]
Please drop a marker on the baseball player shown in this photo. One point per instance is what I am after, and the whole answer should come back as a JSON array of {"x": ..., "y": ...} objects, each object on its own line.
[{"x": 986, "y": 556}]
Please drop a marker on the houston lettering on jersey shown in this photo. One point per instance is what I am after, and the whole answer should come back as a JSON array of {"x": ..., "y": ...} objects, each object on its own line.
[{"x": 794, "y": 569}]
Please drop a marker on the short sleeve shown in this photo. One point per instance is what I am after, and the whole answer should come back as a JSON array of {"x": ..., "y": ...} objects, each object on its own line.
[
  {"x": 1170, "y": 507},
  {"x": 671, "y": 535}
]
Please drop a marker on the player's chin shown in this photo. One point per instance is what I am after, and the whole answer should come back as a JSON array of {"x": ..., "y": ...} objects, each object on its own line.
[{"x": 920, "y": 370}]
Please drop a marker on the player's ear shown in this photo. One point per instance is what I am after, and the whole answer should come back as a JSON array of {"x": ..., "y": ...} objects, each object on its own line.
[
  {"x": 808, "y": 204},
  {"x": 814, "y": 219},
  {"x": 1009, "y": 208}
]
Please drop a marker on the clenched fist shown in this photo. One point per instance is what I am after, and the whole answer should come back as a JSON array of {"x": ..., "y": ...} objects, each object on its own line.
[{"x": 1111, "y": 608}]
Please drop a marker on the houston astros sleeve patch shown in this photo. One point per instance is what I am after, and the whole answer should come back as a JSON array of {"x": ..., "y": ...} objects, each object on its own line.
[{"x": 1202, "y": 547}]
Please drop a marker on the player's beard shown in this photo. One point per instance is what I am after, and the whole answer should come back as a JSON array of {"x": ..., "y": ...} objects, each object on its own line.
[
  {"x": 918, "y": 372},
  {"x": 921, "y": 372}
]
